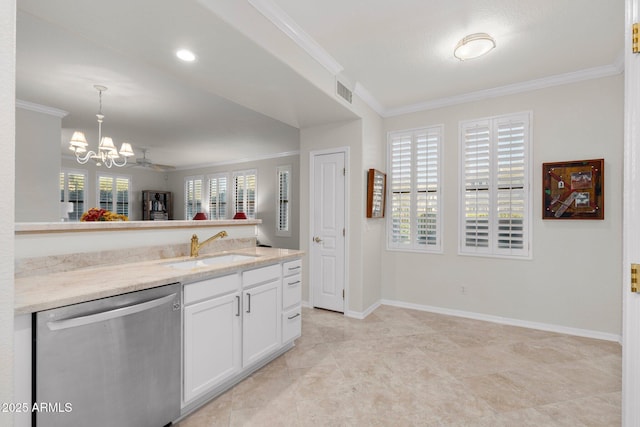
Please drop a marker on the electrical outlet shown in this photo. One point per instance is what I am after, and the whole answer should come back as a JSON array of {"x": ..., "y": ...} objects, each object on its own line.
[{"x": 463, "y": 290}]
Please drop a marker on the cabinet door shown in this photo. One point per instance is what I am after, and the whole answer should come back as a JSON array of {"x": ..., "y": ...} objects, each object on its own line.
[
  {"x": 211, "y": 343},
  {"x": 261, "y": 325}
]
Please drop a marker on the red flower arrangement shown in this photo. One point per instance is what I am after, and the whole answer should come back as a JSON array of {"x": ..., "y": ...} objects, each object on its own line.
[{"x": 95, "y": 214}]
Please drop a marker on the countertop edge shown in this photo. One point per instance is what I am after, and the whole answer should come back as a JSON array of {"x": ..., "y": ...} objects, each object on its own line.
[
  {"x": 34, "y": 293},
  {"x": 83, "y": 227}
]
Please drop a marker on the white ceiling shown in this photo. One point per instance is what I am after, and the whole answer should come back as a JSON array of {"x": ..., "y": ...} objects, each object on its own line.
[{"x": 399, "y": 52}]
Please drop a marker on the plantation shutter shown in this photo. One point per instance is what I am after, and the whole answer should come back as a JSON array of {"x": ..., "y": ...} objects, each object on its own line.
[
  {"x": 245, "y": 183},
  {"x": 427, "y": 177},
  {"x": 400, "y": 185},
  {"x": 284, "y": 193},
  {"x": 477, "y": 180},
  {"x": 113, "y": 193},
  {"x": 122, "y": 196},
  {"x": 193, "y": 196},
  {"x": 105, "y": 192},
  {"x": 414, "y": 187},
  {"x": 495, "y": 174},
  {"x": 72, "y": 190},
  {"x": 511, "y": 206},
  {"x": 218, "y": 196}
]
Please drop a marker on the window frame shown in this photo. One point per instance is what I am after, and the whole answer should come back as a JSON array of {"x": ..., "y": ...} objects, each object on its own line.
[
  {"x": 413, "y": 245},
  {"x": 114, "y": 192},
  {"x": 283, "y": 232},
  {"x": 245, "y": 173},
  {"x": 493, "y": 249},
  {"x": 65, "y": 172}
]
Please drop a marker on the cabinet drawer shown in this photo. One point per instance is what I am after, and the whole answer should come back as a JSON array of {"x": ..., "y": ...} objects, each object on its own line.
[
  {"x": 210, "y": 288},
  {"x": 292, "y": 267},
  {"x": 291, "y": 324},
  {"x": 260, "y": 275},
  {"x": 291, "y": 291}
]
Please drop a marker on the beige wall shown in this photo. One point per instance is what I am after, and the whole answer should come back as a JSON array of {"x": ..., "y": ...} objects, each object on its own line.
[
  {"x": 266, "y": 200},
  {"x": 348, "y": 136},
  {"x": 574, "y": 276},
  {"x": 373, "y": 230},
  {"x": 38, "y": 160}
]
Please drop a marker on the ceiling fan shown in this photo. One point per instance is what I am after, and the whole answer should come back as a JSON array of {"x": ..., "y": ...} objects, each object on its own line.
[{"x": 147, "y": 163}]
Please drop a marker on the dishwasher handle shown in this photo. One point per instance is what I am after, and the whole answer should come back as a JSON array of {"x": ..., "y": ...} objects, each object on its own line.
[{"x": 110, "y": 314}]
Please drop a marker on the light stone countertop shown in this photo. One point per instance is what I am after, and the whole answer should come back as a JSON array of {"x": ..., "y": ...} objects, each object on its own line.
[
  {"x": 37, "y": 293},
  {"x": 71, "y": 227}
]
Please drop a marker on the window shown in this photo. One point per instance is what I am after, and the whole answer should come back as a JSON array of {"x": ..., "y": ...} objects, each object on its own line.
[
  {"x": 193, "y": 196},
  {"x": 113, "y": 193},
  {"x": 284, "y": 195},
  {"x": 244, "y": 190},
  {"x": 218, "y": 187},
  {"x": 72, "y": 190},
  {"x": 495, "y": 175},
  {"x": 414, "y": 187}
]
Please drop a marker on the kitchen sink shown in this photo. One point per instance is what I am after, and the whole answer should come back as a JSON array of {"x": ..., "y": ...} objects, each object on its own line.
[{"x": 188, "y": 264}]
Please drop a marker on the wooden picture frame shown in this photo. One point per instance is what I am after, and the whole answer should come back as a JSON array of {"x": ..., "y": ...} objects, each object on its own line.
[
  {"x": 573, "y": 190},
  {"x": 376, "y": 192}
]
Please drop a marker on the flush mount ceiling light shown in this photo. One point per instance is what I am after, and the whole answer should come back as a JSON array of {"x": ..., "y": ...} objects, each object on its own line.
[
  {"x": 107, "y": 153},
  {"x": 186, "y": 55},
  {"x": 474, "y": 46}
]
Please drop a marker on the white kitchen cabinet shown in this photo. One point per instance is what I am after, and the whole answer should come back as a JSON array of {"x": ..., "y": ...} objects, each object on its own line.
[
  {"x": 261, "y": 322},
  {"x": 291, "y": 324},
  {"x": 291, "y": 291},
  {"x": 235, "y": 323},
  {"x": 291, "y": 300},
  {"x": 212, "y": 337}
]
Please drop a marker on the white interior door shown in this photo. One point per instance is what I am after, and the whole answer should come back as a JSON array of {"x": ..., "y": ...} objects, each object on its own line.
[
  {"x": 631, "y": 228},
  {"x": 327, "y": 272}
]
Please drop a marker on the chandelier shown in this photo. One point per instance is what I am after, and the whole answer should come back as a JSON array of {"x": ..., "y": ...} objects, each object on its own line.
[{"x": 107, "y": 153}]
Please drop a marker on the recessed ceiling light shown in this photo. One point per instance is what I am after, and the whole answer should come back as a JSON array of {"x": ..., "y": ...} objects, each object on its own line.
[
  {"x": 474, "y": 46},
  {"x": 186, "y": 55}
]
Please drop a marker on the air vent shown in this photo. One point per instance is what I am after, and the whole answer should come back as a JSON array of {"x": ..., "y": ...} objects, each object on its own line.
[{"x": 343, "y": 92}]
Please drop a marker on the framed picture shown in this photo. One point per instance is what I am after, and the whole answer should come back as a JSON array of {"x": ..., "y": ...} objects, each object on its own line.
[
  {"x": 376, "y": 190},
  {"x": 573, "y": 190}
]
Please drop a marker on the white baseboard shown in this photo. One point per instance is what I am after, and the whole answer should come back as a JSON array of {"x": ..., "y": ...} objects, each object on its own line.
[
  {"x": 485, "y": 317},
  {"x": 364, "y": 314},
  {"x": 353, "y": 314},
  {"x": 506, "y": 321}
]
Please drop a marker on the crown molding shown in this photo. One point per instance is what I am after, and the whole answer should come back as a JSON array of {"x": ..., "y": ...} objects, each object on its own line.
[
  {"x": 32, "y": 106},
  {"x": 287, "y": 25},
  {"x": 369, "y": 99},
  {"x": 280, "y": 19},
  {"x": 531, "y": 85}
]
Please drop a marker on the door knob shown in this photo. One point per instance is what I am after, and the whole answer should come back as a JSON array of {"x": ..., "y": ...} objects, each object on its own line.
[{"x": 317, "y": 239}]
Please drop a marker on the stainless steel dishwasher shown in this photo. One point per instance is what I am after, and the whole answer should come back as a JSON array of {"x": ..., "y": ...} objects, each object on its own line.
[{"x": 110, "y": 362}]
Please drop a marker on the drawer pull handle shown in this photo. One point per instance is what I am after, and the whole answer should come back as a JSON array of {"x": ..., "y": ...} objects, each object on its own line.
[
  {"x": 294, "y": 283},
  {"x": 294, "y": 268},
  {"x": 248, "y": 302},
  {"x": 238, "y": 298},
  {"x": 294, "y": 316}
]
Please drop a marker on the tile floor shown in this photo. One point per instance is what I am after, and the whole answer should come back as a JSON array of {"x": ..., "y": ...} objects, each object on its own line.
[{"x": 401, "y": 367}]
